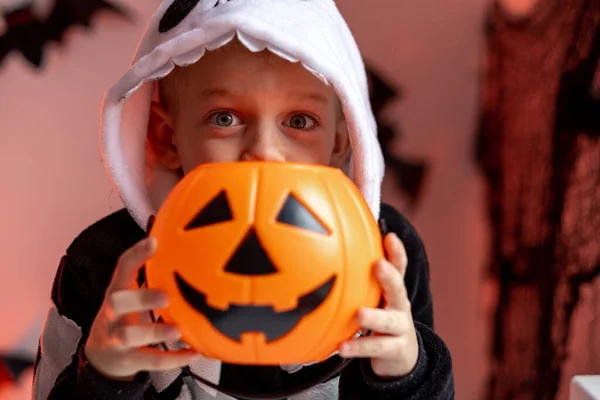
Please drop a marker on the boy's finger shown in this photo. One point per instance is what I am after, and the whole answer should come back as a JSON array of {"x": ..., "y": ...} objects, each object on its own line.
[
  {"x": 149, "y": 359},
  {"x": 393, "y": 286},
  {"x": 130, "y": 263},
  {"x": 396, "y": 252},
  {"x": 123, "y": 302},
  {"x": 128, "y": 337},
  {"x": 387, "y": 322},
  {"x": 371, "y": 347}
]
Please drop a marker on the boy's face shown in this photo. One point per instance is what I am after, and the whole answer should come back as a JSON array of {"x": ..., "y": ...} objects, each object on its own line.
[{"x": 235, "y": 105}]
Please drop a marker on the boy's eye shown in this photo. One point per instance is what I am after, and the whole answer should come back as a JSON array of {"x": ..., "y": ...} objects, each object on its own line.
[
  {"x": 300, "y": 121},
  {"x": 224, "y": 119}
]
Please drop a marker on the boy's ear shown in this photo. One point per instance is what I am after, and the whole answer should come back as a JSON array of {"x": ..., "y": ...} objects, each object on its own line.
[
  {"x": 341, "y": 145},
  {"x": 161, "y": 136}
]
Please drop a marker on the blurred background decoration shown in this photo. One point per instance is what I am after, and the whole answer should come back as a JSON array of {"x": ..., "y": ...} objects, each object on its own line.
[
  {"x": 409, "y": 174},
  {"x": 29, "y": 33},
  {"x": 539, "y": 150},
  {"x": 512, "y": 233}
]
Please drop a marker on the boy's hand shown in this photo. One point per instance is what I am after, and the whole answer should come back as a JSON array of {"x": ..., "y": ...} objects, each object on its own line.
[
  {"x": 394, "y": 349},
  {"x": 117, "y": 344}
]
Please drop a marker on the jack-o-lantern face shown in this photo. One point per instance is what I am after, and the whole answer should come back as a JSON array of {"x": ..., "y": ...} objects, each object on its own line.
[
  {"x": 265, "y": 263},
  {"x": 251, "y": 259}
]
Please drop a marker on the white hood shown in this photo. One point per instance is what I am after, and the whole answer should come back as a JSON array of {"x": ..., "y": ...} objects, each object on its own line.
[{"x": 309, "y": 31}]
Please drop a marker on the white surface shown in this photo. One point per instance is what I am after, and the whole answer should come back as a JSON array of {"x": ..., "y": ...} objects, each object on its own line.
[{"x": 585, "y": 388}]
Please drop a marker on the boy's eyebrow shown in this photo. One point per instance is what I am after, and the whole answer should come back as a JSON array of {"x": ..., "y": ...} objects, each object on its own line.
[
  {"x": 321, "y": 98},
  {"x": 218, "y": 92},
  {"x": 224, "y": 92}
]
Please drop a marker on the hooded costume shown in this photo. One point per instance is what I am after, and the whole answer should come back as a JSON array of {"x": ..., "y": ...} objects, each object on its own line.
[{"x": 311, "y": 32}]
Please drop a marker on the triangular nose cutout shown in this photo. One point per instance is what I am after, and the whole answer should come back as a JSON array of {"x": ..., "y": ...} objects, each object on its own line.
[{"x": 250, "y": 258}]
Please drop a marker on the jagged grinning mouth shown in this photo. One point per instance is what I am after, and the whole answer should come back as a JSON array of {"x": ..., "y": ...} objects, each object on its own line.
[{"x": 238, "y": 319}]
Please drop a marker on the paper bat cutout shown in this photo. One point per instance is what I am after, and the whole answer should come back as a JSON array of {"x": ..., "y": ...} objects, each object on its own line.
[
  {"x": 26, "y": 33},
  {"x": 11, "y": 368},
  {"x": 409, "y": 174}
]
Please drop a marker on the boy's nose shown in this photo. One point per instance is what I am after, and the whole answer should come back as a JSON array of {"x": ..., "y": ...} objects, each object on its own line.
[{"x": 263, "y": 145}]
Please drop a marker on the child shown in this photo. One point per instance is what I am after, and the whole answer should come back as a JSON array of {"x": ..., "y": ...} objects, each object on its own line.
[{"x": 217, "y": 81}]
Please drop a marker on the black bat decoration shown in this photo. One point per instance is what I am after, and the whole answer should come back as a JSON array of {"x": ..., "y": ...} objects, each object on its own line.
[
  {"x": 409, "y": 174},
  {"x": 27, "y": 33}
]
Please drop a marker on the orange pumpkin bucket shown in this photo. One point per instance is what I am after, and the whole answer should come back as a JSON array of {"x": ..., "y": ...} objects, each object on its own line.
[{"x": 265, "y": 263}]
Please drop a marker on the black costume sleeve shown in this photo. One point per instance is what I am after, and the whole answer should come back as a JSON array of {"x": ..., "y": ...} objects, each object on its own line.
[
  {"x": 78, "y": 290},
  {"x": 432, "y": 377}
]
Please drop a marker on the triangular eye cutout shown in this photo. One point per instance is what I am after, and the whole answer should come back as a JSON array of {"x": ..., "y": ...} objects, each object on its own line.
[
  {"x": 216, "y": 211},
  {"x": 294, "y": 213}
]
